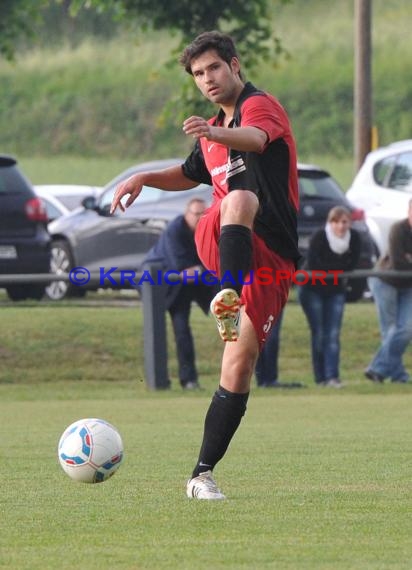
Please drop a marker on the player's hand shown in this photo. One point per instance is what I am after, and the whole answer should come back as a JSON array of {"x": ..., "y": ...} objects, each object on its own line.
[
  {"x": 131, "y": 186},
  {"x": 197, "y": 127}
]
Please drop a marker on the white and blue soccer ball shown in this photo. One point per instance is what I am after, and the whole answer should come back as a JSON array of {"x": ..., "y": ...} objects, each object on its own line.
[{"x": 90, "y": 450}]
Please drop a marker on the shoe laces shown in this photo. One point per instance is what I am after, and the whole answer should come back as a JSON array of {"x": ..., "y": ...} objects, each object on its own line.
[{"x": 207, "y": 480}]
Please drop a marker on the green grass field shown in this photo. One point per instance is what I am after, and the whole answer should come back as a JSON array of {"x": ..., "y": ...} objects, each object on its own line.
[{"x": 315, "y": 478}]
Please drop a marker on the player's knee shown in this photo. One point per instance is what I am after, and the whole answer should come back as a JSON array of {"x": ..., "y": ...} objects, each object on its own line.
[{"x": 239, "y": 207}]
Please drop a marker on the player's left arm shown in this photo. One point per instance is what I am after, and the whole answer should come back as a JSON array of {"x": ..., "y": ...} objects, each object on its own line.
[
  {"x": 259, "y": 126},
  {"x": 247, "y": 139}
]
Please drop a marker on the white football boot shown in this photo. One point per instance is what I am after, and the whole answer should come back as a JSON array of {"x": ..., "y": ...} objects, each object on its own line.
[{"x": 204, "y": 487}]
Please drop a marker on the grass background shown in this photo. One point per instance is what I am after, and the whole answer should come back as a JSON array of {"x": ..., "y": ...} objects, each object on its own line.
[
  {"x": 99, "y": 339},
  {"x": 315, "y": 478},
  {"x": 99, "y": 171},
  {"x": 105, "y": 97}
]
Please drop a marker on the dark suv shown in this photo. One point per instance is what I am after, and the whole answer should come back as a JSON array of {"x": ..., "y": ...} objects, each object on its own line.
[{"x": 24, "y": 239}]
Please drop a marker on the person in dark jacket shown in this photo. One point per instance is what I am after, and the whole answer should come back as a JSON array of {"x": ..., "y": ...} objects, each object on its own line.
[
  {"x": 337, "y": 247},
  {"x": 176, "y": 251},
  {"x": 393, "y": 299}
]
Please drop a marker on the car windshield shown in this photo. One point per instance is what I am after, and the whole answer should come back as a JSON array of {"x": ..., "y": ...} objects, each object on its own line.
[
  {"x": 401, "y": 175},
  {"x": 71, "y": 202},
  {"x": 382, "y": 170},
  {"x": 146, "y": 195},
  {"x": 318, "y": 185}
]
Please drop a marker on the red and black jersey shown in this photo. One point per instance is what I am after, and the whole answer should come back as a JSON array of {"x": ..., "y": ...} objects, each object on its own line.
[{"x": 271, "y": 175}]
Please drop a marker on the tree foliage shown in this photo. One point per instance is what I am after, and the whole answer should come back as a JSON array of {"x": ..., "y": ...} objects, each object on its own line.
[
  {"x": 247, "y": 21},
  {"x": 16, "y": 23}
]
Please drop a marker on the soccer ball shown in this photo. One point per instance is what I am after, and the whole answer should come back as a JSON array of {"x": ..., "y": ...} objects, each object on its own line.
[{"x": 90, "y": 450}]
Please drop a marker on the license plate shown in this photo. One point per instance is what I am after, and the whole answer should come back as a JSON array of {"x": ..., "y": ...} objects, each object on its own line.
[{"x": 8, "y": 252}]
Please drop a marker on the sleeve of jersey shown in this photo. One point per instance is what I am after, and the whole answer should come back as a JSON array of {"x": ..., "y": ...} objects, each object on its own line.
[
  {"x": 194, "y": 166},
  {"x": 265, "y": 113}
]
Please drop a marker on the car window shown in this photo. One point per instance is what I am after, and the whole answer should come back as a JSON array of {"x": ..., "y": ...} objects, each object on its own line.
[
  {"x": 146, "y": 195},
  {"x": 71, "y": 201},
  {"x": 52, "y": 211},
  {"x": 382, "y": 170},
  {"x": 401, "y": 175},
  {"x": 318, "y": 185}
]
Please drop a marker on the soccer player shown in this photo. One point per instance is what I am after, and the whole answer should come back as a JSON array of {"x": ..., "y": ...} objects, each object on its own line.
[{"x": 248, "y": 235}]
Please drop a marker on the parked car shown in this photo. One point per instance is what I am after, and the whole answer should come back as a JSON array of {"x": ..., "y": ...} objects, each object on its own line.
[
  {"x": 69, "y": 195},
  {"x": 24, "y": 240},
  {"x": 383, "y": 188},
  {"x": 54, "y": 207},
  {"x": 92, "y": 238}
]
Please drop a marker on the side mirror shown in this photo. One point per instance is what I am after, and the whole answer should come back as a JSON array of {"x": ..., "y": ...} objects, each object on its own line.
[{"x": 89, "y": 203}]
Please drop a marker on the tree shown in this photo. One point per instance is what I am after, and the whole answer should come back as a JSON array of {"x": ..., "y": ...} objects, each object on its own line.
[
  {"x": 247, "y": 21},
  {"x": 16, "y": 22}
]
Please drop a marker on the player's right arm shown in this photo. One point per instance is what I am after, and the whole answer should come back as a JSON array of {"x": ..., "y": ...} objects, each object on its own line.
[{"x": 167, "y": 179}]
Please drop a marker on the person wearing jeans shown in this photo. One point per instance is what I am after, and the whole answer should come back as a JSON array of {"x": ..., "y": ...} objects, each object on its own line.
[
  {"x": 336, "y": 247},
  {"x": 324, "y": 315},
  {"x": 393, "y": 299}
]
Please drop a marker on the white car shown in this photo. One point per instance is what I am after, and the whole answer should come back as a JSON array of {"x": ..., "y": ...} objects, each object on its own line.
[
  {"x": 70, "y": 195},
  {"x": 54, "y": 207},
  {"x": 383, "y": 188}
]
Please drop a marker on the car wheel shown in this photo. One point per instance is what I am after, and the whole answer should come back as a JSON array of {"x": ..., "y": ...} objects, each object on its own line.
[
  {"x": 23, "y": 292},
  {"x": 61, "y": 263},
  {"x": 355, "y": 290}
]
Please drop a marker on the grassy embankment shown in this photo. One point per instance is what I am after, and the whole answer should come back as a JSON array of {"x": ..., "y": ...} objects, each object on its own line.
[{"x": 102, "y": 102}]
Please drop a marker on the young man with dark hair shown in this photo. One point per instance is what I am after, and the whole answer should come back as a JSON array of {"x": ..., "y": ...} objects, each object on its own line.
[{"x": 247, "y": 152}]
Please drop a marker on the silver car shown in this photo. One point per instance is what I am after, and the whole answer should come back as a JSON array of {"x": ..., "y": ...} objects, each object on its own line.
[{"x": 94, "y": 239}]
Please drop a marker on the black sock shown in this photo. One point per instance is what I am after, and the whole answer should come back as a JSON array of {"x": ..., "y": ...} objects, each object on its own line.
[
  {"x": 221, "y": 422},
  {"x": 235, "y": 251}
]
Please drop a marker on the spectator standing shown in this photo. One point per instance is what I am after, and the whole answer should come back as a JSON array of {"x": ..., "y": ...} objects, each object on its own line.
[
  {"x": 337, "y": 247},
  {"x": 393, "y": 299},
  {"x": 176, "y": 251}
]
